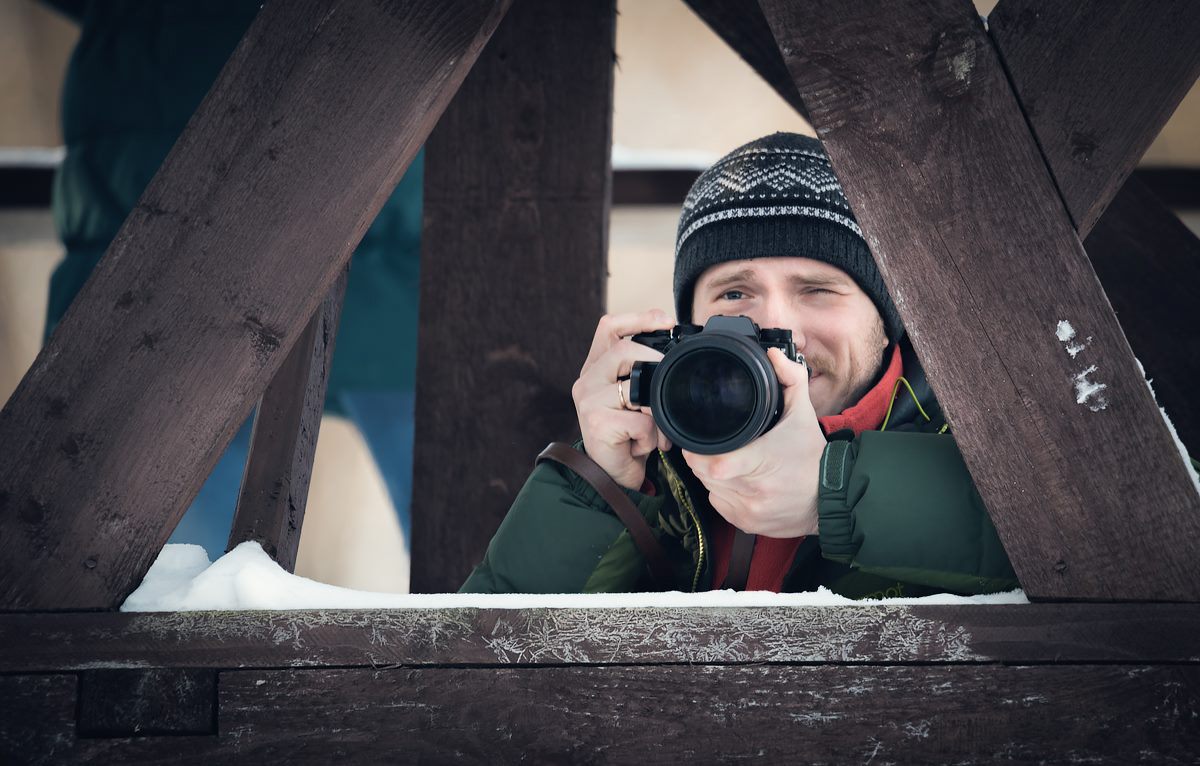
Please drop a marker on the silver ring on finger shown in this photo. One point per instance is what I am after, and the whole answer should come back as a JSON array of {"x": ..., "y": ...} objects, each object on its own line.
[{"x": 621, "y": 396}]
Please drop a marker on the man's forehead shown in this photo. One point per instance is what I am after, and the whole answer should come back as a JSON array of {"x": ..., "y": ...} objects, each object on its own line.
[{"x": 788, "y": 267}]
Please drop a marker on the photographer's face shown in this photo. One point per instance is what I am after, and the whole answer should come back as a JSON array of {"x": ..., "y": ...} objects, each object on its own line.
[{"x": 833, "y": 322}]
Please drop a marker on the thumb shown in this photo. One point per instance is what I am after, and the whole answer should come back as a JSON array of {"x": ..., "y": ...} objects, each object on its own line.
[{"x": 793, "y": 376}]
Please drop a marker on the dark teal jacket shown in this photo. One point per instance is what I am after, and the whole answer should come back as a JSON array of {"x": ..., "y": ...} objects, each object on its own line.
[{"x": 898, "y": 516}]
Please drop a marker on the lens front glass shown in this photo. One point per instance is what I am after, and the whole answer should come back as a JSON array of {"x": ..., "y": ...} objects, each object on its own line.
[{"x": 711, "y": 395}]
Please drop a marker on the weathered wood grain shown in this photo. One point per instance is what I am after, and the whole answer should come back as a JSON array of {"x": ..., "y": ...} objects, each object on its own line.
[
  {"x": 127, "y": 703},
  {"x": 283, "y": 444},
  {"x": 514, "y": 248},
  {"x": 37, "y": 718},
  {"x": 1097, "y": 83},
  {"x": 744, "y": 29},
  {"x": 214, "y": 275},
  {"x": 1149, "y": 264},
  {"x": 1085, "y": 484},
  {"x": 689, "y": 714},
  {"x": 1143, "y": 633}
]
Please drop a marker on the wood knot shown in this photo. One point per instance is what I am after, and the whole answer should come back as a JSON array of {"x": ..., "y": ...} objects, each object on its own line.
[
  {"x": 89, "y": 563},
  {"x": 1060, "y": 567}
]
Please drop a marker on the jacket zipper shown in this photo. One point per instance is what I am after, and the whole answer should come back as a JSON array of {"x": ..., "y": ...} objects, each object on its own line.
[{"x": 681, "y": 496}]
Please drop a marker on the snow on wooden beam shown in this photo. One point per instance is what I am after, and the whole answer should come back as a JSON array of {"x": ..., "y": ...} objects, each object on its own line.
[
  {"x": 1079, "y": 471},
  {"x": 513, "y": 268},
  {"x": 234, "y": 244},
  {"x": 1097, "y": 83},
  {"x": 274, "y": 491}
]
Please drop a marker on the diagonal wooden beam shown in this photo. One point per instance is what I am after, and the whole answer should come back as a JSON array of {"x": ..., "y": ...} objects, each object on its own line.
[
  {"x": 743, "y": 27},
  {"x": 211, "y": 280},
  {"x": 513, "y": 264},
  {"x": 1097, "y": 83},
  {"x": 1066, "y": 445},
  {"x": 274, "y": 490}
]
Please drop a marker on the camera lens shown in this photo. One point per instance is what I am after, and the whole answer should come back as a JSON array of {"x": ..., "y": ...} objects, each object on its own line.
[{"x": 712, "y": 394}]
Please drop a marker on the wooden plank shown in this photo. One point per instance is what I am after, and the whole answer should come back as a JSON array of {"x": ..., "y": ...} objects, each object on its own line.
[
  {"x": 1097, "y": 84},
  {"x": 630, "y": 714},
  {"x": 744, "y": 28},
  {"x": 214, "y": 275},
  {"x": 686, "y": 714},
  {"x": 1085, "y": 484},
  {"x": 283, "y": 444},
  {"x": 514, "y": 249},
  {"x": 1149, "y": 265},
  {"x": 1143, "y": 633},
  {"x": 37, "y": 718},
  {"x": 145, "y": 702}
]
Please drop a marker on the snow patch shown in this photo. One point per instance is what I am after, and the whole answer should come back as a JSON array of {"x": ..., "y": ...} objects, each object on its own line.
[
  {"x": 1187, "y": 460},
  {"x": 1064, "y": 331},
  {"x": 247, "y": 578},
  {"x": 1088, "y": 391}
]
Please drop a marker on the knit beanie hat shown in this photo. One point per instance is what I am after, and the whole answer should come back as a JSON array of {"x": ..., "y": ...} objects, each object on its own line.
[{"x": 776, "y": 196}]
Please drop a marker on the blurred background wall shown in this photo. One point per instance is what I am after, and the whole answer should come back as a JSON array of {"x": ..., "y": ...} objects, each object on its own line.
[{"x": 682, "y": 99}]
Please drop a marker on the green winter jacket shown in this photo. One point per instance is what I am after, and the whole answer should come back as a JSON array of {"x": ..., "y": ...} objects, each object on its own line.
[{"x": 898, "y": 516}]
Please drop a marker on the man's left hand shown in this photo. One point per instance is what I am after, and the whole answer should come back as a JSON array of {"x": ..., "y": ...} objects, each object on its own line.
[{"x": 769, "y": 487}]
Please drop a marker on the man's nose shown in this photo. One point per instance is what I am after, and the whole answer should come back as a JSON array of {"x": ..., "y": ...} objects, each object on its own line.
[{"x": 778, "y": 316}]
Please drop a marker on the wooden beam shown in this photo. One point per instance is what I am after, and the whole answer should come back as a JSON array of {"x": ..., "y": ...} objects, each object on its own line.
[
  {"x": 468, "y": 637},
  {"x": 1066, "y": 445},
  {"x": 744, "y": 28},
  {"x": 128, "y": 702},
  {"x": 513, "y": 260},
  {"x": 1097, "y": 83},
  {"x": 1149, "y": 265},
  {"x": 274, "y": 490},
  {"x": 214, "y": 275},
  {"x": 629, "y": 714}
]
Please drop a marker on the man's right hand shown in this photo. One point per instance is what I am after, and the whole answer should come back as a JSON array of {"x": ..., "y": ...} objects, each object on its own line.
[{"x": 618, "y": 438}]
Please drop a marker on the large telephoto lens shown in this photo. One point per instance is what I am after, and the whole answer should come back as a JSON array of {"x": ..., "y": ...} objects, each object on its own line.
[{"x": 715, "y": 392}]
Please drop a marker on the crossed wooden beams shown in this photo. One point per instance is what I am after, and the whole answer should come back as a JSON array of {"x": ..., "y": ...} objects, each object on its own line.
[{"x": 250, "y": 222}]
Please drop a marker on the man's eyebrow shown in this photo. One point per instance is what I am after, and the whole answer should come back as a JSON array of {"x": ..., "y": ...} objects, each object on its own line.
[
  {"x": 743, "y": 275},
  {"x": 829, "y": 280}
]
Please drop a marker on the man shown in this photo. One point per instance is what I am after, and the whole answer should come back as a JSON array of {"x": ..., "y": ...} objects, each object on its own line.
[{"x": 858, "y": 487}]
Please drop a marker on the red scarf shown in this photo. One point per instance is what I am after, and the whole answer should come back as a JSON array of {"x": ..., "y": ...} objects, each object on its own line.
[{"x": 773, "y": 556}]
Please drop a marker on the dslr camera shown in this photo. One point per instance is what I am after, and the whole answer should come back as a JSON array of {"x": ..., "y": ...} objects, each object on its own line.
[{"x": 715, "y": 389}]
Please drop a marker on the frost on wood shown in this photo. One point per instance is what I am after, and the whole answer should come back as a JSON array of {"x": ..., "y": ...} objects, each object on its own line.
[{"x": 1087, "y": 392}]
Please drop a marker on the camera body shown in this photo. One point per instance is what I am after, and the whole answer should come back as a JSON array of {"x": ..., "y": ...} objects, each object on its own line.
[{"x": 715, "y": 389}]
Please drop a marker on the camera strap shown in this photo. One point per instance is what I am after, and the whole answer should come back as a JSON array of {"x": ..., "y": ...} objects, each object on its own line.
[
  {"x": 627, "y": 512},
  {"x": 739, "y": 560}
]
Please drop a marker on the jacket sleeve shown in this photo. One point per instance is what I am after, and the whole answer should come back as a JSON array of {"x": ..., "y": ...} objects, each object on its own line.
[
  {"x": 553, "y": 538},
  {"x": 902, "y": 505}
]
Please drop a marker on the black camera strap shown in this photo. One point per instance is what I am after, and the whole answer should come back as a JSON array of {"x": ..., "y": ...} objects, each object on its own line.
[{"x": 627, "y": 512}]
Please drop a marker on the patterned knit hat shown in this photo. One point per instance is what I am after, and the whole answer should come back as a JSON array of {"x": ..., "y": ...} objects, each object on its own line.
[{"x": 776, "y": 196}]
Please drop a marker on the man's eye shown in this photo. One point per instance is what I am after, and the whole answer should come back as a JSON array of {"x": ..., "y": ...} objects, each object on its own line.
[{"x": 732, "y": 295}]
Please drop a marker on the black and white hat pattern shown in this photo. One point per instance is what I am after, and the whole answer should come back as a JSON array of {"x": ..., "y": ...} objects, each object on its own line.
[{"x": 777, "y": 196}]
